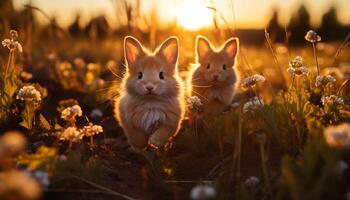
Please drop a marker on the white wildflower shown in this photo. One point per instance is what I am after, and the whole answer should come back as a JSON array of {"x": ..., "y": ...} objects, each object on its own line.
[
  {"x": 298, "y": 71},
  {"x": 297, "y": 62},
  {"x": 28, "y": 93},
  {"x": 251, "y": 81},
  {"x": 235, "y": 105},
  {"x": 251, "y": 181},
  {"x": 311, "y": 36},
  {"x": 338, "y": 136},
  {"x": 253, "y": 103},
  {"x": 96, "y": 113},
  {"x": 11, "y": 44},
  {"x": 26, "y": 76},
  {"x": 324, "y": 80},
  {"x": 70, "y": 113},
  {"x": 332, "y": 99},
  {"x": 203, "y": 192},
  {"x": 91, "y": 130},
  {"x": 194, "y": 103},
  {"x": 6, "y": 42},
  {"x": 40, "y": 176},
  {"x": 70, "y": 134}
]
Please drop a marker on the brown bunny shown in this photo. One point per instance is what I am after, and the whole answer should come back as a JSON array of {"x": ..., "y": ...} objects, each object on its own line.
[
  {"x": 150, "y": 107},
  {"x": 214, "y": 77}
]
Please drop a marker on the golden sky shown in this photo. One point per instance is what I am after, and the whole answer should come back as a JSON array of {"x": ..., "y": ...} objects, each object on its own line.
[{"x": 193, "y": 13}]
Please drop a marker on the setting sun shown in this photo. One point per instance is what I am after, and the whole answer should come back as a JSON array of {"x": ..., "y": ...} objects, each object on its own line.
[{"x": 193, "y": 15}]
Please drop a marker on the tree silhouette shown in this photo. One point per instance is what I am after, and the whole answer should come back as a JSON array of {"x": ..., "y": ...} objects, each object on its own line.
[
  {"x": 75, "y": 29},
  {"x": 330, "y": 26},
  {"x": 299, "y": 24},
  {"x": 274, "y": 28},
  {"x": 98, "y": 27}
]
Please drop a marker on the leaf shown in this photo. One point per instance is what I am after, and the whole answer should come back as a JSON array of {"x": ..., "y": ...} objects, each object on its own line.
[
  {"x": 25, "y": 124},
  {"x": 28, "y": 117},
  {"x": 44, "y": 123},
  {"x": 57, "y": 126}
]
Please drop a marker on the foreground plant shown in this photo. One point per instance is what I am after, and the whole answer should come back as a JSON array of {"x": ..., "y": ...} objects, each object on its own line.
[
  {"x": 203, "y": 192},
  {"x": 9, "y": 78},
  {"x": 13, "y": 45},
  {"x": 32, "y": 98},
  {"x": 312, "y": 37},
  {"x": 91, "y": 130},
  {"x": 251, "y": 81},
  {"x": 338, "y": 136},
  {"x": 252, "y": 104},
  {"x": 44, "y": 158},
  {"x": 15, "y": 184},
  {"x": 297, "y": 67},
  {"x": 324, "y": 80},
  {"x": 70, "y": 134},
  {"x": 70, "y": 113}
]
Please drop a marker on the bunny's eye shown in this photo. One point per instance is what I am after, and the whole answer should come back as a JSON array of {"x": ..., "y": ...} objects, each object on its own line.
[
  {"x": 224, "y": 67},
  {"x": 140, "y": 75},
  {"x": 161, "y": 75},
  {"x": 208, "y": 66}
]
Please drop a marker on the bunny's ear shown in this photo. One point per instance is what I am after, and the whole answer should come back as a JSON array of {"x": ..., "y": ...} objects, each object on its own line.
[
  {"x": 203, "y": 47},
  {"x": 230, "y": 48},
  {"x": 133, "y": 50},
  {"x": 169, "y": 51}
]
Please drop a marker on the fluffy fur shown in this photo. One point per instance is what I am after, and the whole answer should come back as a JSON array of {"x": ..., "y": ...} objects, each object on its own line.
[
  {"x": 150, "y": 107},
  {"x": 213, "y": 79}
]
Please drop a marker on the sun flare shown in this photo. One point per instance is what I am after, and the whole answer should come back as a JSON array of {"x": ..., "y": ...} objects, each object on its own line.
[{"x": 193, "y": 15}]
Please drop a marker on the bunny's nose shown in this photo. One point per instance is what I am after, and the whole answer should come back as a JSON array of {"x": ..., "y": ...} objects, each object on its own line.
[
  {"x": 149, "y": 88},
  {"x": 215, "y": 77}
]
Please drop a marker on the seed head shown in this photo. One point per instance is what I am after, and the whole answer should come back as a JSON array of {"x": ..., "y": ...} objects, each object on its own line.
[
  {"x": 251, "y": 81},
  {"x": 70, "y": 113},
  {"x": 29, "y": 93},
  {"x": 311, "y": 36},
  {"x": 324, "y": 80}
]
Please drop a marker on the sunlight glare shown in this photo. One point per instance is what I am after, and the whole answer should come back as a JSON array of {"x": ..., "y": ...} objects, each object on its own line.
[{"x": 193, "y": 15}]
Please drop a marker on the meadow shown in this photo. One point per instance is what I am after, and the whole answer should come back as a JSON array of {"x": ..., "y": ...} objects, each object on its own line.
[{"x": 285, "y": 136}]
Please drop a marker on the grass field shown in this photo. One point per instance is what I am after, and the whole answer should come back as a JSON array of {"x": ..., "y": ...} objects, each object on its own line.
[{"x": 285, "y": 136}]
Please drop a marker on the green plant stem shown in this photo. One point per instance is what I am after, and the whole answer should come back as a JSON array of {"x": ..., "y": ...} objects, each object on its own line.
[
  {"x": 10, "y": 63},
  {"x": 269, "y": 42},
  {"x": 264, "y": 168},
  {"x": 342, "y": 86},
  {"x": 257, "y": 95},
  {"x": 299, "y": 110},
  {"x": 290, "y": 92},
  {"x": 236, "y": 154},
  {"x": 28, "y": 117},
  {"x": 315, "y": 56}
]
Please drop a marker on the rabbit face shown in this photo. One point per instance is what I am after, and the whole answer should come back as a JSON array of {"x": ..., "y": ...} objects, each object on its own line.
[
  {"x": 217, "y": 66},
  {"x": 151, "y": 74}
]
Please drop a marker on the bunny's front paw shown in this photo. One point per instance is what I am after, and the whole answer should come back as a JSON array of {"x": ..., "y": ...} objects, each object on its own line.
[{"x": 156, "y": 140}]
